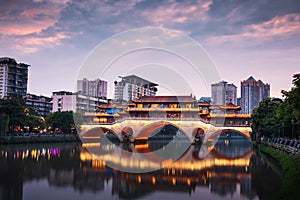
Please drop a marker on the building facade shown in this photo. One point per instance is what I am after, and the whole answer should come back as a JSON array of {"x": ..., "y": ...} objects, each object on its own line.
[
  {"x": 76, "y": 102},
  {"x": 13, "y": 77},
  {"x": 133, "y": 87},
  {"x": 94, "y": 88},
  {"x": 40, "y": 104},
  {"x": 253, "y": 92},
  {"x": 63, "y": 101},
  {"x": 223, "y": 93}
]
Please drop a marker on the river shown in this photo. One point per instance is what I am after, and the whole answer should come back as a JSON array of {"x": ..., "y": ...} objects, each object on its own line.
[{"x": 227, "y": 170}]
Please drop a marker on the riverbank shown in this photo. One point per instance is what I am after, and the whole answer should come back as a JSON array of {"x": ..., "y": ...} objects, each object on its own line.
[
  {"x": 41, "y": 139},
  {"x": 290, "y": 170}
]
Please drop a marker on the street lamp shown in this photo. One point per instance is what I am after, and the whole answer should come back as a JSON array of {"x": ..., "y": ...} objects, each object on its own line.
[
  {"x": 292, "y": 122},
  {"x": 282, "y": 129}
]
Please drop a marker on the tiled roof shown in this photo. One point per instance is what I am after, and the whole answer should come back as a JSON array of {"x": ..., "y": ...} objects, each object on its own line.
[
  {"x": 230, "y": 105},
  {"x": 104, "y": 106},
  {"x": 164, "y": 99}
]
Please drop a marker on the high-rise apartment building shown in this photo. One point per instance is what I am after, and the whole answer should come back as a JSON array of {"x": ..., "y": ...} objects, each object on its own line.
[
  {"x": 94, "y": 88},
  {"x": 133, "y": 87},
  {"x": 253, "y": 92},
  {"x": 13, "y": 77},
  {"x": 40, "y": 104},
  {"x": 223, "y": 93}
]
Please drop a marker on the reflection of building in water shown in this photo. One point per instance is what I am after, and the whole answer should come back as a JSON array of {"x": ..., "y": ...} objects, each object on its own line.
[
  {"x": 11, "y": 192},
  {"x": 223, "y": 186},
  {"x": 89, "y": 180},
  {"x": 221, "y": 174},
  {"x": 11, "y": 184},
  {"x": 130, "y": 185},
  {"x": 19, "y": 165},
  {"x": 229, "y": 147},
  {"x": 61, "y": 177},
  {"x": 246, "y": 188}
]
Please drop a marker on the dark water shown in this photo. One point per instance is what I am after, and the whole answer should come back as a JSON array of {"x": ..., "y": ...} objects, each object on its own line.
[{"x": 229, "y": 170}]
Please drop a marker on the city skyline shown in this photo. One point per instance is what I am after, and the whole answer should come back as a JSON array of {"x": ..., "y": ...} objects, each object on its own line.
[{"x": 242, "y": 38}]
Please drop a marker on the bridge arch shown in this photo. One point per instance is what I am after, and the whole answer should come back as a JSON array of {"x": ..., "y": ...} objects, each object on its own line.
[
  {"x": 198, "y": 134},
  {"x": 148, "y": 130},
  {"x": 98, "y": 132},
  {"x": 127, "y": 132},
  {"x": 218, "y": 133}
]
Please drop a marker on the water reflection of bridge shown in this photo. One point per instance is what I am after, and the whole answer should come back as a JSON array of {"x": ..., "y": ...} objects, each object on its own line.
[
  {"x": 70, "y": 166},
  {"x": 222, "y": 174},
  {"x": 137, "y": 156}
]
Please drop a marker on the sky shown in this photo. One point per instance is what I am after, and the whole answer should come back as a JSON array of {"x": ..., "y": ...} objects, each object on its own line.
[{"x": 241, "y": 37}]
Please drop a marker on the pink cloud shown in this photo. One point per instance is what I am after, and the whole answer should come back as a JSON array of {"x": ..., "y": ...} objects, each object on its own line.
[
  {"x": 174, "y": 12},
  {"x": 32, "y": 19},
  {"x": 26, "y": 28},
  {"x": 279, "y": 26},
  {"x": 33, "y": 44},
  {"x": 45, "y": 40}
]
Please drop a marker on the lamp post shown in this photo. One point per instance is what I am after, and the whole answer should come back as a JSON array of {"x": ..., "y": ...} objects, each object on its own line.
[
  {"x": 292, "y": 122},
  {"x": 282, "y": 129}
]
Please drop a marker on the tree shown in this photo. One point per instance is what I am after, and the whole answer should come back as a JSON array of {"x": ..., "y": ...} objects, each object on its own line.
[
  {"x": 14, "y": 114},
  {"x": 61, "y": 121},
  {"x": 34, "y": 123},
  {"x": 4, "y": 121},
  {"x": 14, "y": 108},
  {"x": 264, "y": 120},
  {"x": 290, "y": 109}
]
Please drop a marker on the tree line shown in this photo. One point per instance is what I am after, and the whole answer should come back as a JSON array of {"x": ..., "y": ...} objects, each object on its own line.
[
  {"x": 279, "y": 119},
  {"x": 16, "y": 117}
]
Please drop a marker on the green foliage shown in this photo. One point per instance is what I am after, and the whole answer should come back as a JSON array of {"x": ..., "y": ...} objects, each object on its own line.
[
  {"x": 264, "y": 120},
  {"x": 290, "y": 109},
  {"x": 4, "y": 120},
  {"x": 18, "y": 115},
  {"x": 63, "y": 121},
  {"x": 33, "y": 122},
  {"x": 14, "y": 108},
  {"x": 291, "y": 172},
  {"x": 269, "y": 118}
]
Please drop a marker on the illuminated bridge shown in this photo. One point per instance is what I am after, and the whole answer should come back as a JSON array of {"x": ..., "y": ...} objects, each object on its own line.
[
  {"x": 145, "y": 117},
  {"x": 143, "y": 129}
]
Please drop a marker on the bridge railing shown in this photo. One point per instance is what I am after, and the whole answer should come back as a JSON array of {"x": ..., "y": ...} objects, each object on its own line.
[
  {"x": 289, "y": 146},
  {"x": 164, "y": 109},
  {"x": 229, "y": 115},
  {"x": 230, "y": 125},
  {"x": 166, "y": 119}
]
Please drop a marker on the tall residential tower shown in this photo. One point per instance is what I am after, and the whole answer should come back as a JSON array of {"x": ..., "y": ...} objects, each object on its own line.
[
  {"x": 253, "y": 92},
  {"x": 133, "y": 87},
  {"x": 94, "y": 88},
  {"x": 222, "y": 93},
  {"x": 13, "y": 77}
]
